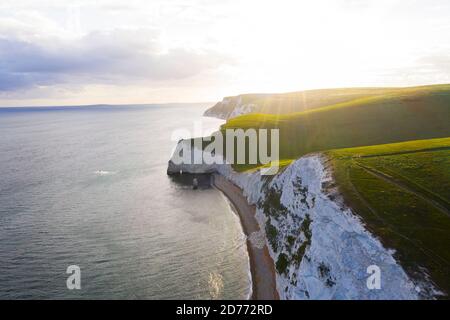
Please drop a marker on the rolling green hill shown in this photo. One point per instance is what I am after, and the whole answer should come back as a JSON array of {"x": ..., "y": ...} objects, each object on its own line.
[
  {"x": 285, "y": 103},
  {"x": 408, "y": 114},
  {"x": 402, "y": 192}
]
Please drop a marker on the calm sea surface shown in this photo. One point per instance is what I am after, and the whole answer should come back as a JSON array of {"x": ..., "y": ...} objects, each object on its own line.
[{"x": 87, "y": 186}]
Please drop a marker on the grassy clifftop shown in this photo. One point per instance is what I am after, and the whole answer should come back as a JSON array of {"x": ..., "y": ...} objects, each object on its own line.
[
  {"x": 401, "y": 191},
  {"x": 292, "y": 102},
  {"x": 399, "y": 115}
]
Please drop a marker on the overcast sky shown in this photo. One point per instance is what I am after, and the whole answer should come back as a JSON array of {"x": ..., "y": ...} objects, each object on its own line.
[{"x": 152, "y": 51}]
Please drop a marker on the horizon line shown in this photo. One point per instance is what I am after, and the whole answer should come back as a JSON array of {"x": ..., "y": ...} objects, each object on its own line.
[{"x": 105, "y": 105}]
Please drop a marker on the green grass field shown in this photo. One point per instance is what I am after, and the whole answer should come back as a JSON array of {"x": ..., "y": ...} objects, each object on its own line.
[
  {"x": 291, "y": 102},
  {"x": 401, "y": 191},
  {"x": 411, "y": 114}
]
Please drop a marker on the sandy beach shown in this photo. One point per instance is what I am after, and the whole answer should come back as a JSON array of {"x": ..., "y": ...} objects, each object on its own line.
[{"x": 261, "y": 263}]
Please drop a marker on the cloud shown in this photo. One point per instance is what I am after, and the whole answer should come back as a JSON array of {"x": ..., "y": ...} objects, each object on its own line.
[
  {"x": 99, "y": 57},
  {"x": 426, "y": 68},
  {"x": 83, "y": 51},
  {"x": 435, "y": 63}
]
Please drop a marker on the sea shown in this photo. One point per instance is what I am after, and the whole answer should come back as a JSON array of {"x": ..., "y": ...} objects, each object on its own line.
[{"x": 86, "y": 188}]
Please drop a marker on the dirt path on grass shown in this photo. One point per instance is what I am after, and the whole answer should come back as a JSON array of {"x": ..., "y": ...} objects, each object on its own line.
[
  {"x": 404, "y": 187},
  {"x": 433, "y": 256}
]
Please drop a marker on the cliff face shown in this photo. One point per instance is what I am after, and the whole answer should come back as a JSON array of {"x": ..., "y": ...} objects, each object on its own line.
[
  {"x": 231, "y": 107},
  {"x": 222, "y": 109},
  {"x": 321, "y": 249},
  {"x": 176, "y": 165}
]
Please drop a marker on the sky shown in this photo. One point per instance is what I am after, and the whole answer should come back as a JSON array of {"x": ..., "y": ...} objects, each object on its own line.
[{"x": 156, "y": 51}]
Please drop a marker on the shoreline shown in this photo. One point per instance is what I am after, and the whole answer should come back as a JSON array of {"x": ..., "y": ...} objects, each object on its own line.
[{"x": 262, "y": 266}]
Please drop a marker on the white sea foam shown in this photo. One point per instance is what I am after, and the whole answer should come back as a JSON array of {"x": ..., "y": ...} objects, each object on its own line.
[{"x": 104, "y": 172}]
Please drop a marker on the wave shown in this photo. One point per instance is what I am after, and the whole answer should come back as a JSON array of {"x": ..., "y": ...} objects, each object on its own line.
[{"x": 104, "y": 172}]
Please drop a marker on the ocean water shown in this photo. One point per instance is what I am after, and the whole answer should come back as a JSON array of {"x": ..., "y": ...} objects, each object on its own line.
[{"x": 87, "y": 186}]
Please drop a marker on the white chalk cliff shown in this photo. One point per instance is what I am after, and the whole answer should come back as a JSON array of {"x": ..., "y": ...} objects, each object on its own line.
[
  {"x": 321, "y": 248},
  {"x": 231, "y": 107}
]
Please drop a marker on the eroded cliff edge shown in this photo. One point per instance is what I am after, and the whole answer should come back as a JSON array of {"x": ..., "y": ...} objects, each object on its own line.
[
  {"x": 320, "y": 247},
  {"x": 231, "y": 107}
]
